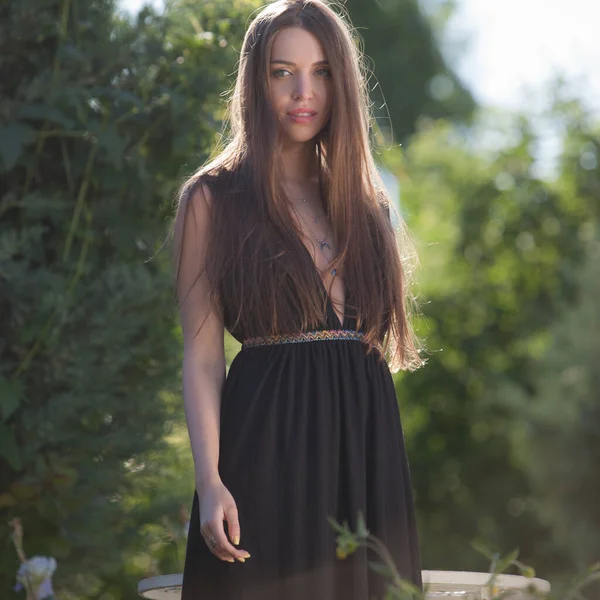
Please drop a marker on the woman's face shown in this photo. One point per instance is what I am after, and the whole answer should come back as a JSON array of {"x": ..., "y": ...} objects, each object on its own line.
[{"x": 300, "y": 80}]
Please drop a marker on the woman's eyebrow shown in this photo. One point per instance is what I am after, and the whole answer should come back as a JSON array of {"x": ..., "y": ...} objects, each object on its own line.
[{"x": 287, "y": 62}]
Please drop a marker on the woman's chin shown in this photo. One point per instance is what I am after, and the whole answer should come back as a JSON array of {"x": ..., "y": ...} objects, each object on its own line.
[{"x": 299, "y": 137}]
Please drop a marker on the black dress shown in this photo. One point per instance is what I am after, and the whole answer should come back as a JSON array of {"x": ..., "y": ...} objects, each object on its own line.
[{"x": 308, "y": 429}]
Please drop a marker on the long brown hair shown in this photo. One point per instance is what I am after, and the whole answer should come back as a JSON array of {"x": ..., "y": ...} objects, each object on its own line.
[{"x": 262, "y": 278}]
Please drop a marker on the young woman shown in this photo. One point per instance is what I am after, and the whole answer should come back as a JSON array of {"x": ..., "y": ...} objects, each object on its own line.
[{"x": 285, "y": 240}]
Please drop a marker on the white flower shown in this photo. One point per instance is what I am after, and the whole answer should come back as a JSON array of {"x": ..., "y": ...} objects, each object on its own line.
[
  {"x": 46, "y": 590},
  {"x": 36, "y": 571}
]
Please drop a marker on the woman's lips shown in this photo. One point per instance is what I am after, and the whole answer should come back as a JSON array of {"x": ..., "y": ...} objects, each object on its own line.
[{"x": 302, "y": 118}]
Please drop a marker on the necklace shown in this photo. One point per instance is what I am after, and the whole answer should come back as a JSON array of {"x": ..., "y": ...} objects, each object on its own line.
[
  {"x": 315, "y": 218},
  {"x": 322, "y": 244}
]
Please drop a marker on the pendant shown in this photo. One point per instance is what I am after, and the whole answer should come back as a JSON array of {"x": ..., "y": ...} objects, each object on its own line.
[
  {"x": 323, "y": 244},
  {"x": 333, "y": 272}
]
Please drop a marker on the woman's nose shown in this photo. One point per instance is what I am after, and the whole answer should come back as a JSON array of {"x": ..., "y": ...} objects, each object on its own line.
[{"x": 303, "y": 87}]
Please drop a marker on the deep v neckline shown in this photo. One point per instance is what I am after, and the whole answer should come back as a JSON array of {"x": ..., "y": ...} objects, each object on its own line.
[{"x": 340, "y": 322}]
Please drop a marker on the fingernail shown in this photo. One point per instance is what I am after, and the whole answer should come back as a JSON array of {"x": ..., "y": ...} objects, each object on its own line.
[
  {"x": 236, "y": 539},
  {"x": 241, "y": 559},
  {"x": 247, "y": 555},
  {"x": 230, "y": 560}
]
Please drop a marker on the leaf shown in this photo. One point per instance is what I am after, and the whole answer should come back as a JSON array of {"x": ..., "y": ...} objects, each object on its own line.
[
  {"x": 70, "y": 53},
  {"x": 11, "y": 394},
  {"x": 37, "y": 205},
  {"x": 336, "y": 525},
  {"x": 114, "y": 145},
  {"x": 6, "y": 500},
  {"x": 47, "y": 113},
  {"x": 8, "y": 447},
  {"x": 508, "y": 560},
  {"x": 40, "y": 465},
  {"x": 61, "y": 481},
  {"x": 13, "y": 137},
  {"x": 361, "y": 527},
  {"x": 25, "y": 491},
  {"x": 479, "y": 547},
  {"x": 593, "y": 568},
  {"x": 123, "y": 98},
  {"x": 380, "y": 568},
  {"x": 62, "y": 475}
]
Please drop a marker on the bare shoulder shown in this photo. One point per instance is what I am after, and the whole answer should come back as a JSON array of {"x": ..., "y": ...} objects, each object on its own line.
[
  {"x": 192, "y": 220},
  {"x": 199, "y": 196},
  {"x": 201, "y": 324}
]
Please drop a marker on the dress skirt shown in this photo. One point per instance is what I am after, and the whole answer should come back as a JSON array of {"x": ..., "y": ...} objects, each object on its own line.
[{"x": 308, "y": 430}]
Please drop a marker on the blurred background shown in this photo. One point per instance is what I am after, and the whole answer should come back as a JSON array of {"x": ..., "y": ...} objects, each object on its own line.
[{"x": 487, "y": 128}]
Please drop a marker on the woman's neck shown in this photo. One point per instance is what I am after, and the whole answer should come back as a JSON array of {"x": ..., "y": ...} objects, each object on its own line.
[{"x": 299, "y": 164}]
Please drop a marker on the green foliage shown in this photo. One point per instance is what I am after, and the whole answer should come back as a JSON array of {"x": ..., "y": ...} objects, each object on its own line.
[
  {"x": 413, "y": 78},
  {"x": 556, "y": 438},
  {"x": 398, "y": 588},
  {"x": 99, "y": 118},
  {"x": 500, "y": 251}
]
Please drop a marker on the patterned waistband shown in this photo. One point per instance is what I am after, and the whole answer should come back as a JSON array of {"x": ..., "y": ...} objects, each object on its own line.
[{"x": 323, "y": 335}]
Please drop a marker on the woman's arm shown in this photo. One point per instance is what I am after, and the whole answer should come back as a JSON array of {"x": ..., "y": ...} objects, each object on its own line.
[
  {"x": 203, "y": 377},
  {"x": 204, "y": 355}
]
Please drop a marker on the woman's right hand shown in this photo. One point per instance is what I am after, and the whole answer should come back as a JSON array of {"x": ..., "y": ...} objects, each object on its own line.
[{"x": 216, "y": 505}]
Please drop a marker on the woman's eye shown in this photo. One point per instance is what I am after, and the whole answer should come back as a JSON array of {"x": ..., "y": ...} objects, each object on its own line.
[{"x": 280, "y": 72}]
